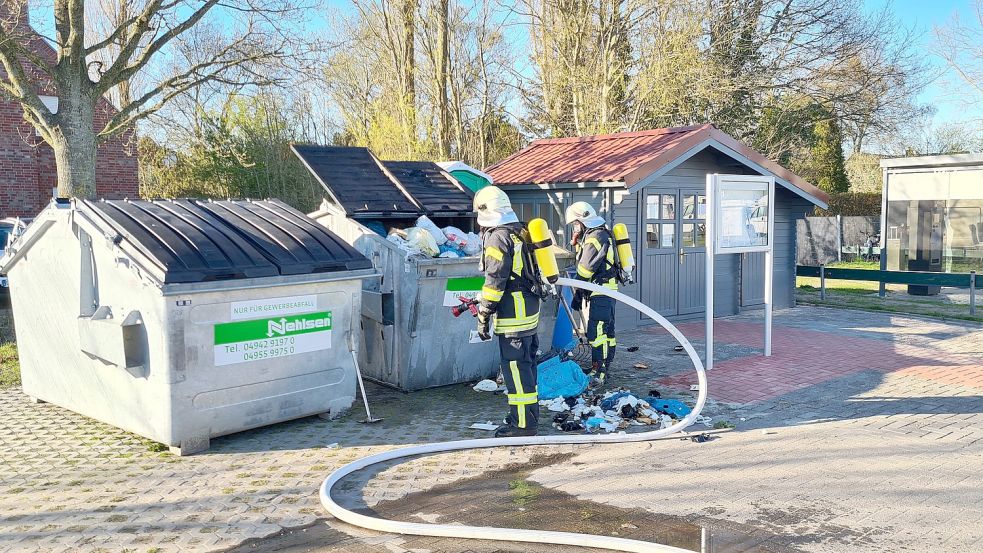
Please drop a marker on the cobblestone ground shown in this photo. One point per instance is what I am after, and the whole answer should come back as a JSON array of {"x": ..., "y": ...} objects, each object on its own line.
[{"x": 861, "y": 433}]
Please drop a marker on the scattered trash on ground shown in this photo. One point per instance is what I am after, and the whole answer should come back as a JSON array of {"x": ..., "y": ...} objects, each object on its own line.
[
  {"x": 677, "y": 348},
  {"x": 486, "y": 386},
  {"x": 694, "y": 387},
  {"x": 701, "y": 438},
  {"x": 332, "y": 446},
  {"x": 632, "y": 349},
  {"x": 613, "y": 411},
  {"x": 484, "y": 426},
  {"x": 640, "y": 366}
]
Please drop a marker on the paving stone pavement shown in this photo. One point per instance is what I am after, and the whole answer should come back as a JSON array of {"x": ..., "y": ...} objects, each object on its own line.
[{"x": 872, "y": 444}]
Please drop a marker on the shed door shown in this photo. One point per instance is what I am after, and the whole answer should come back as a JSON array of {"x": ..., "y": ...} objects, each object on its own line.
[
  {"x": 674, "y": 251},
  {"x": 692, "y": 233}
]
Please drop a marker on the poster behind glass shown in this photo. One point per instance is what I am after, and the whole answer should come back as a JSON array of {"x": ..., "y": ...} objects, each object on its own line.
[{"x": 743, "y": 221}]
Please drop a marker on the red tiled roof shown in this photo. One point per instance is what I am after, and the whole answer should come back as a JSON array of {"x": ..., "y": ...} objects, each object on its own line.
[
  {"x": 601, "y": 158},
  {"x": 623, "y": 157}
]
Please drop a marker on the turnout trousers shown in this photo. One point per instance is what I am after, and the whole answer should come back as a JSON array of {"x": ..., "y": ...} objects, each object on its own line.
[
  {"x": 600, "y": 332},
  {"x": 519, "y": 370}
]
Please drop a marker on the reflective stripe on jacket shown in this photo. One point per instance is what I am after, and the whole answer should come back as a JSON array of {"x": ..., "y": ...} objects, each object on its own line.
[
  {"x": 595, "y": 258},
  {"x": 507, "y": 290}
]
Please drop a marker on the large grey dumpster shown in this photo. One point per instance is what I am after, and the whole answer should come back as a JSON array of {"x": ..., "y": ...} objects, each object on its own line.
[
  {"x": 412, "y": 340},
  {"x": 184, "y": 320}
]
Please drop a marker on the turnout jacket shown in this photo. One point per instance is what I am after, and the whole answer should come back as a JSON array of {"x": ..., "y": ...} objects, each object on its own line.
[
  {"x": 508, "y": 291},
  {"x": 595, "y": 258}
]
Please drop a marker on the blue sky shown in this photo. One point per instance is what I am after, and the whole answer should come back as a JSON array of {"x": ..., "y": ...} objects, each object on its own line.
[{"x": 922, "y": 16}]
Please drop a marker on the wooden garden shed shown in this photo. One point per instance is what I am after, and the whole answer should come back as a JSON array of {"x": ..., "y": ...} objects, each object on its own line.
[{"x": 654, "y": 181}]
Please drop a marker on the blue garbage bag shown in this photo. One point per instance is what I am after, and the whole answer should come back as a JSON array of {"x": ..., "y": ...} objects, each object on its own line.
[
  {"x": 672, "y": 407},
  {"x": 558, "y": 378},
  {"x": 611, "y": 402},
  {"x": 444, "y": 248},
  {"x": 376, "y": 227},
  {"x": 563, "y": 337}
]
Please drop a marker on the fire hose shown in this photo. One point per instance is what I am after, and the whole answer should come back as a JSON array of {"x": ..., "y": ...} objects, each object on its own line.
[{"x": 510, "y": 534}]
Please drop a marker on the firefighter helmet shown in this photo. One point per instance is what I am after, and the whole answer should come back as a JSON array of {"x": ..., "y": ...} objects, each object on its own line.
[
  {"x": 585, "y": 213},
  {"x": 493, "y": 207}
]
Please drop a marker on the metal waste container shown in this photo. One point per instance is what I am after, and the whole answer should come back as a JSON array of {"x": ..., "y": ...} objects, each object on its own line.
[
  {"x": 182, "y": 320},
  {"x": 412, "y": 340}
]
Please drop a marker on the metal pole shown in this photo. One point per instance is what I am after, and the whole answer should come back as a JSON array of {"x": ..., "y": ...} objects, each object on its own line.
[
  {"x": 710, "y": 242},
  {"x": 839, "y": 238},
  {"x": 769, "y": 303},
  {"x": 822, "y": 281},
  {"x": 882, "y": 243},
  {"x": 972, "y": 292}
]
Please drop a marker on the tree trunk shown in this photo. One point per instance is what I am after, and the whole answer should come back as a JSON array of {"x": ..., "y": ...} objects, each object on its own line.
[
  {"x": 409, "y": 73},
  {"x": 75, "y": 146},
  {"x": 443, "y": 61}
]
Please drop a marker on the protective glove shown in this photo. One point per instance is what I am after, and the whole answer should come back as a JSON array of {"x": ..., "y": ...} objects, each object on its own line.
[
  {"x": 578, "y": 301},
  {"x": 484, "y": 324}
]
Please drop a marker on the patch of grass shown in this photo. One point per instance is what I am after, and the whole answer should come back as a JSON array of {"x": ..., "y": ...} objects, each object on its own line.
[
  {"x": 152, "y": 446},
  {"x": 523, "y": 492},
  {"x": 9, "y": 365},
  {"x": 7, "y": 325},
  {"x": 723, "y": 424},
  {"x": 871, "y": 302},
  {"x": 870, "y": 265}
]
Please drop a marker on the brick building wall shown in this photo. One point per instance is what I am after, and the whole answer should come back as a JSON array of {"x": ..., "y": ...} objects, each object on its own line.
[{"x": 27, "y": 165}]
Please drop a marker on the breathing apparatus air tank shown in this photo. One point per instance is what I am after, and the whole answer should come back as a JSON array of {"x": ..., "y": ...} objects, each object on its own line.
[
  {"x": 625, "y": 256},
  {"x": 541, "y": 243}
]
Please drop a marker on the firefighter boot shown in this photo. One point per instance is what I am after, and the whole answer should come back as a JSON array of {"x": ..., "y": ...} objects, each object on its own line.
[{"x": 510, "y": 431}]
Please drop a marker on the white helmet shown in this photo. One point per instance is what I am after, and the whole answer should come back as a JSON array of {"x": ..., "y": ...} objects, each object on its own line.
[
  {"x": 585, "y": 213},
  {"x": 493, "y": 207}
]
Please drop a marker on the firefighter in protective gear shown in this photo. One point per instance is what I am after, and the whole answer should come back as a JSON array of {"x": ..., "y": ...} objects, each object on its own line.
[
  {"x": 594, "y": 246},
  {"x": 509, "y": 307}
]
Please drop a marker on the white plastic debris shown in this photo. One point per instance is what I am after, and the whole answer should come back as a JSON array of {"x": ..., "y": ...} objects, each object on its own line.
[
  {"x": 705, "y": 421},
  {"x": 486, "y": 386},
  {"x": 484, "y": 426},
  {"x": 558, "y": 405},
  {"x": 425, "y": 223}
]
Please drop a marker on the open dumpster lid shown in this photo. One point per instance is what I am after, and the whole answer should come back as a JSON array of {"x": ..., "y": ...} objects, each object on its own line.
[
  {"x": 365, "y": 187},
  {"x": 189, "y": 241},
  {"x": 431, "y": 187}
]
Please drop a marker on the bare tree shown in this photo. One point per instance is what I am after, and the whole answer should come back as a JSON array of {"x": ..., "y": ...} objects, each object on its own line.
[
  {"x": 81, "y": 69},
  {"x": 960, "y": 43}
]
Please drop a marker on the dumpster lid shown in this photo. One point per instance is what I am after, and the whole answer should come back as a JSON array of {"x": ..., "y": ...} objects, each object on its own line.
[
  {"x": 356, "y": 180},
  {"x": 431, "y": 187},
  {"x": 196, "y": 241},
  {"x": 365, "y": 187}
]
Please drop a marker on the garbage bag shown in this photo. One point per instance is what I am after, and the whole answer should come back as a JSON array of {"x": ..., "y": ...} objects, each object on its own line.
[
  {"x": 456, "y": 236},
  {"x": 671, "y": 407},
  {"x": 425, "y": 223},
  {"x": 473, "y": 247},
  {"x": 451, "y": 251},
  {"x": 376, "y": 227},
  {"x": 611, "y": 401},
  {"x": 403, "y": 244},
  {"x": 560, "y": 379},
  {"x": 422, "y": 240}
]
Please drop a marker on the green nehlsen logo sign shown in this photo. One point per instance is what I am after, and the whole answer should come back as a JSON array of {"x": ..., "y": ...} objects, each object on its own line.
[{"x": 259, "y": 329}]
